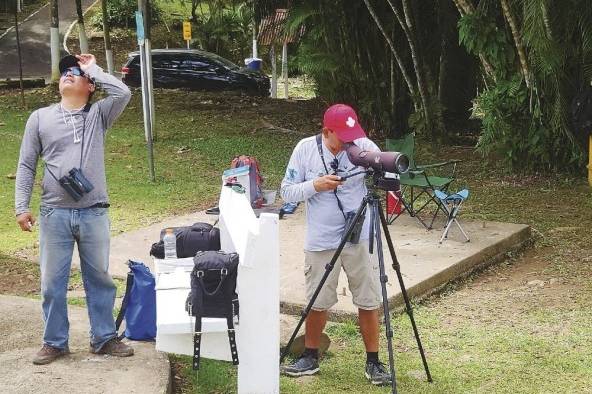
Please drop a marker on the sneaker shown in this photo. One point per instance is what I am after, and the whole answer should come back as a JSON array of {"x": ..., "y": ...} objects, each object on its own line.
[
  {"x": 305, "y": 365},
  {"x": 377, "y": 374},
  {"x": 114, "y": 347},
  {"x": 47, "y": 354}
]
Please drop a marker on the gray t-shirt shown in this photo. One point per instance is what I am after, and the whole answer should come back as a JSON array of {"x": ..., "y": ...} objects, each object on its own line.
[
  {"x": 325, "y": 222},
  {"x": 56, "y": 135}
]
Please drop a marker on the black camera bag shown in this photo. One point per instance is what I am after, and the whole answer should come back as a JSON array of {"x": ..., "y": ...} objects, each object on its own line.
[
  {"x": 190, "y": 240},
  {"x": 213, "y": 294}
]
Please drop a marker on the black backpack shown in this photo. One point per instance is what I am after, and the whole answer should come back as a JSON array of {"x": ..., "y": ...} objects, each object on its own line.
[
  {"x": 190, "y": 240},
  {"x": 213, "y": 294}
]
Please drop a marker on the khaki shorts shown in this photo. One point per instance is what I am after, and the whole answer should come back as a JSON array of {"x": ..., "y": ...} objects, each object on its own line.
[{"x": 362, "y": 273}]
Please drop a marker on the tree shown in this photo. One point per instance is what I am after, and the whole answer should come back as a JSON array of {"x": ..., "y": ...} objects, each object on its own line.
[
  {"x": 107, "y": 37},
  {"x": 81, "y": 30},
  {"x": 54, "y": 44}
]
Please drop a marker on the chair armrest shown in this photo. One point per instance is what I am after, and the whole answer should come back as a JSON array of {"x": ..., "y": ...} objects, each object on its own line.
[{"x": 437, "y": 165}]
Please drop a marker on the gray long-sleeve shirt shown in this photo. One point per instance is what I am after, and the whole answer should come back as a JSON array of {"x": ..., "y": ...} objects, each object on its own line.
[{"x": 55, "y": 134}]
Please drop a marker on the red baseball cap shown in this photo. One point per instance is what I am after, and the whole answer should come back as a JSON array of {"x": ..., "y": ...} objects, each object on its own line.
[{"x": 342, "y": 119}]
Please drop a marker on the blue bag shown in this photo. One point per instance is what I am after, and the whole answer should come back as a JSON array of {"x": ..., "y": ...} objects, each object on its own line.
[{"x": 139, "y": 304}]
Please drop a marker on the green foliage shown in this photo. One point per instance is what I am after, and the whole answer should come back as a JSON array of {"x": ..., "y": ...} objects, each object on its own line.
[
  {"x": 225, "y": 29},
  {"x": 122, "y": 13},
  {"x": 480, "y": 35},
  {"x": 343, "y": 51},
  {"x": 529, "y": 127},
  {"x": 519, "y": 137}
]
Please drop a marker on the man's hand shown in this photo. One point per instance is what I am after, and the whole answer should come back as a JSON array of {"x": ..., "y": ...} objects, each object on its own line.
[
  {"x": 86, "y": 61},
  {"x": 327, "y": 183},
  {"x": 25, "y": 221}
]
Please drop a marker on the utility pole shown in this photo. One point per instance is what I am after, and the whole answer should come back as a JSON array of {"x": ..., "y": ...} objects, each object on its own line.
[
  {"x": 54, "y": 32},
  {"x": 107, "y": 37}
]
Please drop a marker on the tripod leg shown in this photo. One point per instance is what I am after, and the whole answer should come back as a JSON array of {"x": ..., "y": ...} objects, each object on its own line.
[
  {"x": 383, "y": 280},
  {"x": 408, "y": 308},
  {"x": 328, "y": 269}
]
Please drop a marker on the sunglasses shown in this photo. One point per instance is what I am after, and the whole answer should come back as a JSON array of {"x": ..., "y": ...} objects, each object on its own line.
[{"x": 76, "y": 71}]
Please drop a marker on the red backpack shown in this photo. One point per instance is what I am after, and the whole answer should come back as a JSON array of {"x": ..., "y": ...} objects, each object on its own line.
[{"x": 256, "y": 180}]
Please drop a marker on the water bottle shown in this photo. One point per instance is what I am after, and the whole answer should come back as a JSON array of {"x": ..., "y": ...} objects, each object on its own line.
[{"x": 170, "y": 244}]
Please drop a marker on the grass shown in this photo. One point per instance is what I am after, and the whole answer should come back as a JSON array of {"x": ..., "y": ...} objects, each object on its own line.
[
  {"x": 198, "y": 135},
  {"x": 494, "y": 333}
]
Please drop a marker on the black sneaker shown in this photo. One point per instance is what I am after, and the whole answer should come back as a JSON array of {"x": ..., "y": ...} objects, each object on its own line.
[
  {"x": 377, "y": 374},
  {"x": 305, "y": 365}
]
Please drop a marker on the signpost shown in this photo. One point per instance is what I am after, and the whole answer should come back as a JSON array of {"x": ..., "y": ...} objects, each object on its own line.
[
  {"x": 187, "y": 32},
  {"x": 145, "y": 92},
  {"x": 590, "y": 160}
]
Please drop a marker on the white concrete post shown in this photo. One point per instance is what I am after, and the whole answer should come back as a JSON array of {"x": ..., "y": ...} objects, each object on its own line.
[
  {"x": 285, "y": 68},
  {"x": 273, "y": 72}
]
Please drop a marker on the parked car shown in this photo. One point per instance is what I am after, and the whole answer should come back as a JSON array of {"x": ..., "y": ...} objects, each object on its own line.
[{"x": 197, "y": 70}]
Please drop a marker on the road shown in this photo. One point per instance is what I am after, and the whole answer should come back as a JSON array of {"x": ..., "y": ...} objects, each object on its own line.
[{"x": 34, "y": 36}]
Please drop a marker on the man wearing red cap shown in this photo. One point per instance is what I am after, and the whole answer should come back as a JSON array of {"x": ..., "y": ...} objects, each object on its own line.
[{"x": 314, "y": 175}]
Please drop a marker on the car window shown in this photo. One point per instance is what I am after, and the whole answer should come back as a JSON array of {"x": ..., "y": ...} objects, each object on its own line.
[
  {"x": 225, "y": 62},
  {"x": 169, "y": 62},
  {"x": 198, "y": 64}
]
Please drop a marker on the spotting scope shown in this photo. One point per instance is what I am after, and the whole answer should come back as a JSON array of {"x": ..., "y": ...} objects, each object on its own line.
[{"x": 395, "y": 162}]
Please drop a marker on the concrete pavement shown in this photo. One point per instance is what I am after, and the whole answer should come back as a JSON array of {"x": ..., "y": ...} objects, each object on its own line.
[
  {"x": 34, "y": 37},
  {"x": 426, "y": 265},
  {"x": 81, "y": 372}
]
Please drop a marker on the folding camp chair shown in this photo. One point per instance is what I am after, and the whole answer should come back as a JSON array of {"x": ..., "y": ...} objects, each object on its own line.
[
  {"x": 452, "y": 203},
  {"x": 419, "y": 181}
]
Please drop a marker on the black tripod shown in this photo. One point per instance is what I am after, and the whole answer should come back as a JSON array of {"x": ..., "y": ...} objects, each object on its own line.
[{"x": 378, "y": 221}]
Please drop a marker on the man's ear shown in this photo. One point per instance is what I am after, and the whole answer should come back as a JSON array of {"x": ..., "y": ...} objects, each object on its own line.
[
  {"x": 326, "y": 132},
  {"x": 91, "y": 88}
]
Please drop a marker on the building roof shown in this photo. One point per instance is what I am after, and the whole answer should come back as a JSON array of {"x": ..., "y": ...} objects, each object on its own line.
[{"x": 272, "y": 29}]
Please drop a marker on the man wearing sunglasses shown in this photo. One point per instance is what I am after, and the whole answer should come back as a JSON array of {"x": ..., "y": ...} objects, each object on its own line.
[
  {"x": 314, "y": 175},
  {"x": 67, "y": 136}
]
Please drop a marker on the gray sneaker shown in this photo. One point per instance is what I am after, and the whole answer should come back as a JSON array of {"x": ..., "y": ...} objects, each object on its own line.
[
  {"x": 114, "y": 347},
  {"x": 305, "y": 365},
  {"x": 377, "y": 374},
  {"x": 47, "y": 354}
]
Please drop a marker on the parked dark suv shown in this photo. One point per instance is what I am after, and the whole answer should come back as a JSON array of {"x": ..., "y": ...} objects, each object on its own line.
[{"x": 197, "y": 70}]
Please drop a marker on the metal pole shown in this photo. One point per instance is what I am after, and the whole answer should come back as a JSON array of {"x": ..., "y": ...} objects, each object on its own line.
[
  {"x": 148, "y": 49},
  {"x": 146, "y": 108},
  {"x": 18, "y": 46},
  {"x": 145, "y": 88},
  {"x": 254, "y": 53}
]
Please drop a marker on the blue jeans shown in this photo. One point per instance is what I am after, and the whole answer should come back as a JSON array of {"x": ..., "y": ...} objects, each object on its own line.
[{"x": 60, "y": 229}]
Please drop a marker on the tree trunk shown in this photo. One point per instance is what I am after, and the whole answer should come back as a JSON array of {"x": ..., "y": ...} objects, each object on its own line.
[
  {"x": 400, "y": 63},
  {"x": 408, "y": 28},
  {"x": 54, "y": 32},
  {"x": 194, "y": 4},
  {"x": 465, "y": 7},
  {"x": 517, "y": 41},
  {"x": 107, "y": 37},
  {"x": 82, "y": 40}
]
